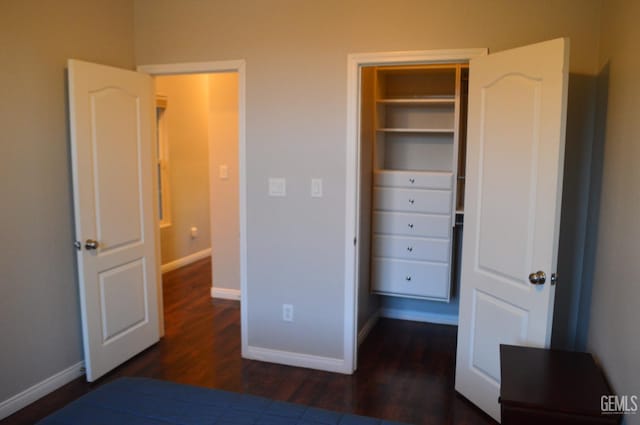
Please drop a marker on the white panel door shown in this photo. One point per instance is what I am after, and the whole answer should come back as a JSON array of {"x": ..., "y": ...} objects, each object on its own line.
[
  {"x": 516, "y": 128},
  {"x": 111, "y": 113}
]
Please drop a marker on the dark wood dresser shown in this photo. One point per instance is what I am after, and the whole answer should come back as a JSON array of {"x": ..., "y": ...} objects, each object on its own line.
[{"x": 551, "y": 387}]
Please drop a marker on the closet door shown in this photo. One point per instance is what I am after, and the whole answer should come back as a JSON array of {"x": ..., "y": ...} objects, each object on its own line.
[{"x": 516, "y": 129}]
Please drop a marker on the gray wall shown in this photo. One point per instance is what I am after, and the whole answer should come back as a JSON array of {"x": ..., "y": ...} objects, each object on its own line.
[
  {"x": 39, "y": 311},
  {"x": 296, "y": 108},
  {"x": 615, "y": 313}
]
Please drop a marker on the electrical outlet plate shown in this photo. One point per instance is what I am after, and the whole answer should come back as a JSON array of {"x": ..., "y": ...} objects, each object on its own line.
[
  {"x": 287, "y": 312},
  {"x": 224, "y": 172}
]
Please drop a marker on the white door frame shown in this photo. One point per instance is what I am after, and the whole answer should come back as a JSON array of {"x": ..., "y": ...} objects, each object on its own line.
[
  {"x": 354, "y": 62},
  {"x": 238, "y": 66}
]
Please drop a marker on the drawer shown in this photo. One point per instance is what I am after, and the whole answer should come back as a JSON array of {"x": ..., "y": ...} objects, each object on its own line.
[
  {"x": 407, "y": 224},
  {"x": 414, "y": 179},
  {"x": 411, "y": 278},
  {"x": 412, "y": 200},
  {"x": 412, "y": 248}
]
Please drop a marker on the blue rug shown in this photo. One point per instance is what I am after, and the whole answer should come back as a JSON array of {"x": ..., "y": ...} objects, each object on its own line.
[{"x": 139, "y": 401}]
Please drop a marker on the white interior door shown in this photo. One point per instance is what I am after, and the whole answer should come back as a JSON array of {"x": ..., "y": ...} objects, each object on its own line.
[
  {"x": 516, "y": 128},
  {"x": 111, "y": 112}
]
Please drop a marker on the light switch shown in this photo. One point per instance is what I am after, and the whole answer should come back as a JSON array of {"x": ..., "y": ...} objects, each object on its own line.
[
  {"x": 316, "y": 188},
  {"x": 277, "y": 186},
  {"x": 224, "y": 172}
]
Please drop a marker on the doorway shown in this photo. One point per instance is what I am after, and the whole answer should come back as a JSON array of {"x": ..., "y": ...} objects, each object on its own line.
[
  {"x": 218, "y": 88},
  {"x": 358, "y": 300}
]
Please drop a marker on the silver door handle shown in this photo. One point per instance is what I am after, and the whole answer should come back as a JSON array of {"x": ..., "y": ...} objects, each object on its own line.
[
  {"x": 538, "y": 278},
  {"x": 91, "y": 244}
]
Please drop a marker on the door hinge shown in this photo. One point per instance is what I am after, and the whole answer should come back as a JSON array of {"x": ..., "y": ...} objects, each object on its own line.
[{"x": 355, "y": 240}]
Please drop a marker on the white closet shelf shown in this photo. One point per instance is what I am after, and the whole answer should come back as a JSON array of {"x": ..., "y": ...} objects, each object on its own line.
[
  {"x": 416, "y": 130},
  {"x": 440, "y": 100}
]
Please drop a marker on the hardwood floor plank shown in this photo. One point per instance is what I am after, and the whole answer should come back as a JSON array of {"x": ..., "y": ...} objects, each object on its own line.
[{"x": 406, "y": 369}]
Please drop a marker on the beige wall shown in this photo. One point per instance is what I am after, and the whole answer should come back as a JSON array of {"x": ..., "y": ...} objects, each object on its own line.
[
  {"x": 187, "y": 128},
  {"x": 615, "y": 312},
  {"x": 296, "y": 107},
  {"x": 225, "y": 214},
  {"x": 39, "y": 308}
]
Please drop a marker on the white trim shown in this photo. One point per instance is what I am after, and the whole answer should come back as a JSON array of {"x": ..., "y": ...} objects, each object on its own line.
[
  {"x": 354, "y": 62},
  {"x": 419, "y": 316},
  {"x": 225, "y": 293},
  {"x": 240, "y": 67},
  {"x": 41, "y": 389},
  {"x": 366, "y": 329},
  {"x": 193, "y": 67},
  {"x": 181, "y": 262},
  {"x": 416, "y": 56},
  {"x": 329, "y": 364}
]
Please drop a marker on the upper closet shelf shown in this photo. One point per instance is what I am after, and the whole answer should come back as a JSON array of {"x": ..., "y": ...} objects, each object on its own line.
[
  {"x": 425, "y": 100},
  {"x": 417, "y": 130}
]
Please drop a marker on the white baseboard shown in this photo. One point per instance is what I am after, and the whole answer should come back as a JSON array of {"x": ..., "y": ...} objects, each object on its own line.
[
  {"x": 419, "y": 316},
  {"x": 181, "y": 262},
  {"x": 366, "y": 329},
  {"x": 226, "y": 294},
  {"x": 288, "y": 358},
  {"x": 39, "y": 390}
]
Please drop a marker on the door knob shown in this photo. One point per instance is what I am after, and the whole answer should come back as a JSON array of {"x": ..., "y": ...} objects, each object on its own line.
[
  {"x": 538, "y": 278},
  {"x": 91, "y": 244}
]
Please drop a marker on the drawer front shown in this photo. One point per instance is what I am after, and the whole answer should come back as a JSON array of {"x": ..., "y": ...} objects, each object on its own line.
[
  {"x": 410, "y": 278},
  {"x": 406, "y": 224},
  {"x": 412, "y": 248},
  {"x": 413, "y": 179},
  {"x": 410, "y": 200}
]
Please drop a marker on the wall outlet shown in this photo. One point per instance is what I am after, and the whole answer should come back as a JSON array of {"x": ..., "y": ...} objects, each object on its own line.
[
  {"x": 287, "y": 312},
  {"x": 194, "y": 232},
  {"x": 316, "y": 188},
  {"x": 224, "y": 172}
]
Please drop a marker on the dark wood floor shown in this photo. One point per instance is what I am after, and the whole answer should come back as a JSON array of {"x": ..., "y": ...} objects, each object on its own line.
[{"x": 405, "y": 373}]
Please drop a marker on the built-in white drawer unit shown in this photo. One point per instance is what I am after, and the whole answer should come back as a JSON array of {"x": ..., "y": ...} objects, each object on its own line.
[
  {"x": 412, "y": 179},
  {"x": 412, "y": 200},
  {"x": 412, "y": 135},
  {"x": 411, "y": 278},
  {"x": 408, "y": 224},
  {"x": 407, "y": 248}
]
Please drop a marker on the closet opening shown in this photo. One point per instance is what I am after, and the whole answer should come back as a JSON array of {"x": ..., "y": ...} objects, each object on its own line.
[{"x": 411, "y": 153}]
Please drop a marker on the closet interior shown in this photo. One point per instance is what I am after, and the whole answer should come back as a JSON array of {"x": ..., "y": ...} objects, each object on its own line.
[{"x": 412, "y": 160}]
